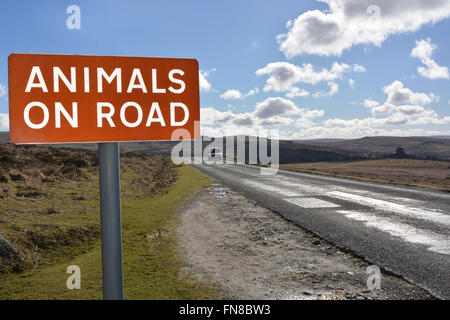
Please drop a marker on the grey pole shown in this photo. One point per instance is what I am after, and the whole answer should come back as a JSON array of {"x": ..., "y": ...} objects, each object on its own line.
[{"x": 110, "y": 217}]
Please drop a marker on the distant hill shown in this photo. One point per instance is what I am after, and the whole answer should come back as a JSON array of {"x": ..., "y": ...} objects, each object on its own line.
[
  {"x": 295, "y": 152},
  {"x": 319, "y": 141},
  {"x": 290, "y": 152},
  {"x": 145, "y": 147},
  {"x": 420, "y": 147},
  {"x": 4, "y": 136},
  {"x": 298, "y": 151}
]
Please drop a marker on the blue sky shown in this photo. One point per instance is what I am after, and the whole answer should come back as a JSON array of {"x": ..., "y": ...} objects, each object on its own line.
[{"x": 374, "y": 88}]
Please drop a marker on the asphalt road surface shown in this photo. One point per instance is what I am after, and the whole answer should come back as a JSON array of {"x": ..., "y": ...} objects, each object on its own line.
[{"x": 403, "y": 230}]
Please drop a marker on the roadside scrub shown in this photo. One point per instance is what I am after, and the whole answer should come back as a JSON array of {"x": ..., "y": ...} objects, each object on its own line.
[{"x": 60, "y": 227}]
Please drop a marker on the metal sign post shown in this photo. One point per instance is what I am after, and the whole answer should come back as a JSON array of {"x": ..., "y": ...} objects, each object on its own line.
[{"x": 111, "y": 222}]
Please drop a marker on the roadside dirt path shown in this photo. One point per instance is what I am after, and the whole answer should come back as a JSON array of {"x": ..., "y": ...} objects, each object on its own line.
[{"x": 253, "y": 253}]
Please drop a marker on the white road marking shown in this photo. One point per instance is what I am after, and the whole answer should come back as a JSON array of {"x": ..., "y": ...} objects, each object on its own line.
[
  {"x": 382, "y": 205},
  {"x": 377, "y": 195},
  {"x": 435, "y": 242},
  {"x": 268, "y": 187},
  {"x": 311, "y": 203},
  {"x": 293, "y": 189},
  {"x": 378, "y": 201},
  {"x": 313, "y": 189},
  {"x": 303, "y": 187},
  {"x": 243, "y": 170},
  {"x": 365, "y": 184}
]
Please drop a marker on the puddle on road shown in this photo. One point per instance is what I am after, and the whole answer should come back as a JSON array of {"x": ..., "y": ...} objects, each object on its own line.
[{"x": 219, "y": 190}]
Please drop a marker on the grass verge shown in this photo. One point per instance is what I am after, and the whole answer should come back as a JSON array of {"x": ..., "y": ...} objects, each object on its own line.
[{"x": 152, "y": 264}]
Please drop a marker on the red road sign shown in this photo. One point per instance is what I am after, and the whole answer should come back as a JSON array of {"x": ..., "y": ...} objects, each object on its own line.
[{"x": 73, "y": 98}]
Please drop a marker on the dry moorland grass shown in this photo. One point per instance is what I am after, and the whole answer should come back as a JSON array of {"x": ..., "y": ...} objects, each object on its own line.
[
  {"x": 49, "y": 211},
  {"x": 422, "y": 173},
  {"x": 49, "y": 199}
]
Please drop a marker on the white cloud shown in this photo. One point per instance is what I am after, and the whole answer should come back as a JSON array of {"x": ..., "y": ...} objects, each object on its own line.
[
  {"x": 297, "y": 92},
  {"x": 397, "y": 94},
  {"x": 310, "y": 114},
  {"x": 306, "y": 119},
  {"x": 402, "y": 110},
  {"x": 370, "y": 103},
  {"x": 209, "y": 116},
  {"x": 334, "y": 88},
  {"x": 218, "y": 123},
  {"x": 359, "y": 68},
  {"x": 352, "y": 22},
  {"x": 229, "y": 123},
  {"x": 2, "y": 90},
  {"x": 231, "y": 94},
  {"x": 386, "y": 108},
  {"x": 204, "y": 84},
  {"x": 277, "y": 121},
  {"x": 4, "y": 122},
  {"x": 419, "y": 116},
  {"x": 284, "y": 75},
  {"x": 411, "y": 110},
  {"x": 423, "y": 51},
  {"x": 4, "y": 117},
  {"x": 243, "y": 119},
  {"x": 401, "y": 100},
  {"x": 275, "y": 107},
  {"x": 403, "y": 106},
  {"x": 252, "y": 92},
  {"x": 351, "y": 83},
  {"x": 356, "y": 132},
  {"x": 272, "y": 112}
]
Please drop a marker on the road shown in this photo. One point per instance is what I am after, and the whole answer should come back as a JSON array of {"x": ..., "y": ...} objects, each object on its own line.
[{"x": 403, "y": 230}]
